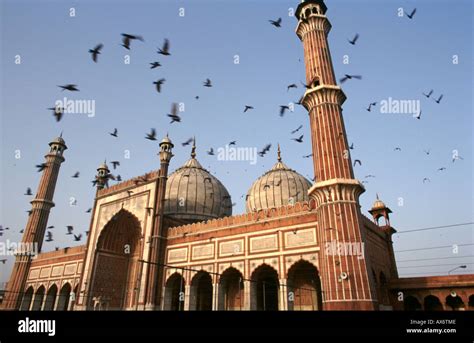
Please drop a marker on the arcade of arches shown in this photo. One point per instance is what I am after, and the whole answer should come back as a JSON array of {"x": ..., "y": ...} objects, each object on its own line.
[{"x": 52, "y": 299}]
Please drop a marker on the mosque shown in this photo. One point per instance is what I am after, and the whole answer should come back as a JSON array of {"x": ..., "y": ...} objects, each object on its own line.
[{"x": 169, "y": 241}]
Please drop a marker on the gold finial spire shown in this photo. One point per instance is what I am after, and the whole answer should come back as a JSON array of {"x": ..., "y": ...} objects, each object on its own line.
[
  {"x": 193, "y": 149},
  {"x": 279, "y": 153},
  {"x": 377, "y": 196}
]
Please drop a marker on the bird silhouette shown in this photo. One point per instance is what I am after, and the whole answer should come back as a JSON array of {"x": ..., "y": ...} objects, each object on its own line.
[
  {"x": 127, "y": 38},
  {"x": 429, "y": 94},
  {"x": 283, "y": 109},
  {"x": 350, "y": 77},
  {"x": 265, "y": 149},
  {"x": 28, "y": 191},
  {"x": 174, "y": 114},
  {"x": 397, "y": 149},
  {"x": 297, "y": 129},
  {"x": 357, "y": 161},
  {"x": 370, "y": 106},
  {"x": 354, "y": 40},
  {"x": 152, "y": 135},
  {"x": 247, "y": 107},
  {"x": 89, "y": 210},
  {"x": 426, "y": 180},
  {"x": 96, "y": 52},
  {"x": 58, "y": 112},
  {"x": 69, "y": 229},
  {"x": 232, "y": 143},
  {"x": 49, "y": 236},
  {"x": 299, "y": 139},
  {"x": 187, "y": 142},
  {"x": 442, "y": 168},
  {"x": 351, "y": 147},
  {"x": 165, "y": 50},
  {"x": 439, "y": 99},
  {"x": 114, "y": 134},
  {"x": 276, "y": 23},
  {"x": 418, "y": 116},
  {"x": 293, "y": 85},
  {"x": 410, "y": 16},
  {"x": 207, "y": 83},
  {"x": 154, "y": 65},
  {"x": 75, "y": 175},
  {"x": 115, "y": 164},
  {"x": 69, "y": 87},
  {"x": 308, "y": 156},
  {"x": 78, "y": 237},
  {"x": 41, "y": 167},
  {"x": 158, "y": 84},
  {"x": 210, "y": 152}
]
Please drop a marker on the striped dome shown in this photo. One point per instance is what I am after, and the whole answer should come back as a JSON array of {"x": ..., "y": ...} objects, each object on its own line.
[
  {"x": 193, "y": 194},
  {"x": 277, "y": 187}
]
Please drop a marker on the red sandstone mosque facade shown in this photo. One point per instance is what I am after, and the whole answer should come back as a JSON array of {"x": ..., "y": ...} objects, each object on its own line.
[{"x": 170, "y": 242}]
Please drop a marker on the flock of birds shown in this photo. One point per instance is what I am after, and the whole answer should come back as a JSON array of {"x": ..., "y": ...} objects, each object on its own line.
[{"x": 175, "y": 117}]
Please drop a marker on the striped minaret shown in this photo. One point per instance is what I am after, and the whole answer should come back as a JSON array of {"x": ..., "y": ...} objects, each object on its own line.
[
  {"x": 36, "y": 226},
  {"x": 346, "y": 282}
]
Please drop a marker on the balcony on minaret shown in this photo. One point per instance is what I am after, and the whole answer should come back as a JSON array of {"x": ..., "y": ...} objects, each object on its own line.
[
  {"x": 379, "y": 210},
  {"x": 57, "y": 146},
  {"x": 310, "y": 7}
]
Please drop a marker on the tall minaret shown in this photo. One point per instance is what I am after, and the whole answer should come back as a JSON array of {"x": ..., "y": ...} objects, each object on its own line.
[
  {"x": 36, "y": 226},
  {"x": 346, "y": 282},
  {"x": 158, "y": 234}
]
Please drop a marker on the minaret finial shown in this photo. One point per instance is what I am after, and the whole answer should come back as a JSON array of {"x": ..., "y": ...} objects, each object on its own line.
[
  {"x": 279, "y": 153},
  {"x": 377, "y": 196},
  {"x": 193, "y": 149},
  {"x": 61, "y": 134}
]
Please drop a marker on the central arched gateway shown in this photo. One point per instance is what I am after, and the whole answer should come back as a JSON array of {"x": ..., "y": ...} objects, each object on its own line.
[
  {"x": 304, "y": 287},
  {"x": 116, "y": 263},
  {"x": 264, "y": 289}
]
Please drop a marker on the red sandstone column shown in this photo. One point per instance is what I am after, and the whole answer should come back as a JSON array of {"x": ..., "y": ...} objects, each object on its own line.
[
  {"x": 155, "y": 270},
  {"x": 345, "y": 280},
  {"x": 36, "y": 225}
]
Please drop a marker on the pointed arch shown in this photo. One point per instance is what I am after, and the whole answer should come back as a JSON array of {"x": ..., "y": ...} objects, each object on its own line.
[
  {"x": 201, "y": 291},
  {"x": 64, "y": 297},
  {"x": 38, "y": 300},
  {"x": 26, "y": 301},
  {"x": 304, "y": 287},
  {"x": 50, "y": 298},
  {"x": 231, "y": 290},
  {"x": 116, "y": 263},
  {"x": 174, "y": 293},
  {"x": 432, "y": 303},
  {"x": 264, "y": 289}
]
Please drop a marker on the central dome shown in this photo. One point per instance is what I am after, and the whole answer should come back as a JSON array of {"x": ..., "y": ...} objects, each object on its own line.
[
  {"x": 277, "y": 187},
  {"x": 193, "y": 194}
]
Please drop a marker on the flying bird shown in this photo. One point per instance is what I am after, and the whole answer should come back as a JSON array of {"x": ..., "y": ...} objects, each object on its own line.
[
  {"x": 165, "y": 50},
  {"x": 247, "y": 107},
  {"x": 152, "y": 135},
  {"x": 293, "y": 85},
  {"x": 357, "y": 161},
  {"x": 457, "y": 157},
  {"x": 127, "y": 38},
  {"x": 78, "y": 237},
  {"x": 187, "y": 142},
  {"x": 370, "y": 106},
  {"x": 210, "y": 152},
  {"x": 49, "y": 236},
  {"x": 276, "y": 23},
  {"x": 41, "y": 166},
  {"x": 426, "y": 152},
  {"x": 174, "y": 114},
  {"x": 307, "y": 86},
  {"x": 299, "y": 139},
  {"x": 307, "y": 156},
  {"x": 264, "y": 150},
  {"x": 283, "y": 108},
  {"x": 232, "y": 143},
  {"x": 69, "y": 229},
  {"x": 410, "y": 16},
  {"x": 354, "y": 40},
  {"x": 158, "y": 84},
  {"x": 155, "y": 65},
  {"x": 114, "y": 134},
  {"x": 28, "y": 191},
  {"x": 350, "y": 77},
  {"x": 76, "y": 175},
  {"x": 297, "y": 129},
  {"x": 397, "y": 149},
  {"x": 69, "y": 87},
  {"x": 439, "y": 99},
  {"x": 429, "y": 93},
  {"x": 115, "y": 164},
  {"x": 207, "y": 83},
  {"x": 351, "y": 147},
  {"x": 442, "y": 168},
  {"x": 58, "y": 112},
  {"x": 89, "y": 210},
  {"x": 426, "y": 180},
  {"x": 418, "y": 116},
  {"x": 96, "y": 52}
]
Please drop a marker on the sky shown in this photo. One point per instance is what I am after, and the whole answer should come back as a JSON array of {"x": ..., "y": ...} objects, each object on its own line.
[{"x": 398, "y": 58}]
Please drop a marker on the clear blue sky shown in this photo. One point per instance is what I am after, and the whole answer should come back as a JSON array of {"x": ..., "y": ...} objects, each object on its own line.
[{"x": 398, "y": 58}]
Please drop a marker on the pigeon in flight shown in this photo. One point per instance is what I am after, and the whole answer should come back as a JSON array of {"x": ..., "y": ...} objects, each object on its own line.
[
  {"x": 293, "y": 85},
  {"x": 207, "y": 83},
  {"x": 247, "y": 107},
  {"x": 165, "y": 50},
  {"x": 69, "y": 228},
  {"x": 127, "y": 38},
  {"x": 155, "y": 65},
  {"x": 283, "y": 108},
  {"x": 357, "y": 161},
  {"x": 297, "y": 129},
  {"x": 28, "y": 191},
  {"x": 210, "y": 152},
  {"x": 439, "y": 99},
  {"x": 76, "y": 175},
  {"x": 354, "y": 40},
  {"x": 58, "y": 112},
  {"x": 429, "y": 93},
  {"x": 69, "y": 87},
  {"x": 410, "y": 16},
  {"x": 174, "y": 114},
  {"x": 370, "y": 106},
  {"x": 299, "y": 139},
  {"x": 158, "y": 84},
  {"x": 115, "y": 164},
  {"x": 41, "y": 166},
  {"x": 96, "y": 52},
  {"x": 49, "y": 236},
  {"x": 276, "y": 23},
  {"x": 152, "y": 135},
  {"x": 187, "y": 142},
  {"x": 114, "y": 134},
  {"x": 350, "y": 77},
  {"x": 264, "y": 150}
]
